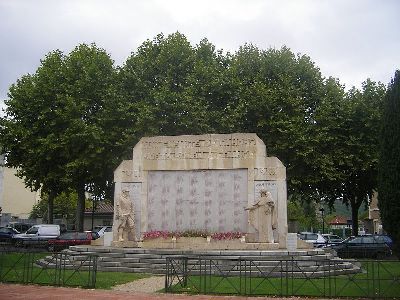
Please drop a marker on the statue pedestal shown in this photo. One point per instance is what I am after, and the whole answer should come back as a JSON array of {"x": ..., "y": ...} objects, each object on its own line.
[{"x": 124, "y": 244}]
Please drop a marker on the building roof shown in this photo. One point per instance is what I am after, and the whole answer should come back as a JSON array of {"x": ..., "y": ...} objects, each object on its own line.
[
  {"x": 338, "y": 220},
  {"x": 101, "y": 208}
]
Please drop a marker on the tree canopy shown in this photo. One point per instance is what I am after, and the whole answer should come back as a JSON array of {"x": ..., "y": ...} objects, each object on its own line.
[
  {"x": 72, "y": 122},
  {"x": 347, "y": 153},
  {"x": 59, "y": 123},
  {"x": 389, "y": 163}
]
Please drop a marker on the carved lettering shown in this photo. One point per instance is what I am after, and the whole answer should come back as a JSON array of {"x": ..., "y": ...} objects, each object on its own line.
[
  {"x": 126, "y": 174},
  {"x": 214, "y": 148},
  {"x": 272, "y": 171}
]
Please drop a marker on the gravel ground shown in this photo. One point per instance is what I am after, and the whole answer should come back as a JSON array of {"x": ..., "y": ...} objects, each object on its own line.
[{"x": 144, "y": 285}]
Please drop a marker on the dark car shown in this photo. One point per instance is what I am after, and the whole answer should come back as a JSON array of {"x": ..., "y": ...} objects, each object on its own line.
[
  {"x": 71, "y": 239},
  {"x": 367, "y": 246},
  {"x": 7, "y": 233},
  {"x": 20, "y": 227},
  {"x": 386, "y": 239}
]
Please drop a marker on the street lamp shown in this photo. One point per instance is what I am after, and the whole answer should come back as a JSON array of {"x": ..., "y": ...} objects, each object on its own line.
[{"x": 322, "y": 210}]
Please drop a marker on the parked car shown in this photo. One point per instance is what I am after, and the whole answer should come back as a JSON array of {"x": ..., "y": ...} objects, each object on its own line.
[
  {"x": 37, "y": 235},
  {"x": 315, "y": 238},
  {"x": 70, "y": 239},
  {"x": 7, "y": 233},
  {"x": 100, "y": 230},
  {"x": 20, "y": 227},
  {"x": 386, "y": 239},
  {"x": 332, "y": 239},
  {"x": 367, "y": 246}
]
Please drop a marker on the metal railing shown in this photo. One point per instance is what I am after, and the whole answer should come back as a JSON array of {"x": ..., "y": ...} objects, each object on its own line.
[
  {"x": 292, "y": 277},
  {"x": 58, "y": 269}
]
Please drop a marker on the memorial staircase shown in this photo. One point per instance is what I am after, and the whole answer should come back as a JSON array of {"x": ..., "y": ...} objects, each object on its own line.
[{"x": 273, "y": 263}]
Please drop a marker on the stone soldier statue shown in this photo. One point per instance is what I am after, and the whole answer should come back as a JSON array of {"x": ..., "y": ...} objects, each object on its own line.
[
  {"x": 125, "y": 216},
  {"x": 262, "y": 216}
]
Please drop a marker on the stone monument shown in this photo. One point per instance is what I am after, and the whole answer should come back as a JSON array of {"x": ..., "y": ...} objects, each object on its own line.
[{"x": 201, "y": 182}]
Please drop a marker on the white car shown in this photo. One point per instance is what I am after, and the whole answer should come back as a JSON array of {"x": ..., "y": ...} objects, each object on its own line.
[
  {"x": 37, "y": 235},
  {"x": 315, "y": 238},
  {"x": 332, "y": 239},
  {"x": 101, "y": 229}
]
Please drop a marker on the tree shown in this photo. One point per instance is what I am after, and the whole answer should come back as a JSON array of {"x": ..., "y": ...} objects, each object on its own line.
[
  {"x": 174, "y": 88},
  {"x": 347, "y": 154},
  {"x": 389, "y": 162},
  {"x": 304, "y": 213},
  {"x": 71, "y": 123},
  {"x": 62, "y": 129},
  {"x": 64, "y": 206},
  {"x": 278, "y": 93},
  {"x": 29, "y": 129}
]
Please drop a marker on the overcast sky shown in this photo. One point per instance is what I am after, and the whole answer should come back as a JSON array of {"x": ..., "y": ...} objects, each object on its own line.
[{"x": 349, "y": 39}]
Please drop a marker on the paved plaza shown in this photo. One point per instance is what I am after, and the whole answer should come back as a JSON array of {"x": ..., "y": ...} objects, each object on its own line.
[{"x": 35, "y": 292}]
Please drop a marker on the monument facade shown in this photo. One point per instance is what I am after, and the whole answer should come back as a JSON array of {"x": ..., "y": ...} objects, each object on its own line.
[{"x": 213, "y": 183}]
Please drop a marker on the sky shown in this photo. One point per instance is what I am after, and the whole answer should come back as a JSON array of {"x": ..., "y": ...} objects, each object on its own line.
[{"x": 351, "y": 40}]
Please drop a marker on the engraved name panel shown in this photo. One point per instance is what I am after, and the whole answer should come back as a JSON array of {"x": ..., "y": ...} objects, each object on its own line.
[{"x": 211, "y": 200}]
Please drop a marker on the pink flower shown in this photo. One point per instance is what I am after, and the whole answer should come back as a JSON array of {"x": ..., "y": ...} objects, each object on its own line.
[{"x": 192, "y": 233}]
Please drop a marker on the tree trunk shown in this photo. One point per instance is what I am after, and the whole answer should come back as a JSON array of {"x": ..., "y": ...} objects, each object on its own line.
[
  {"x": 80, "y": 207},
  {"x": 355, "y": 205},
  {"x": 50, "y": 207}
]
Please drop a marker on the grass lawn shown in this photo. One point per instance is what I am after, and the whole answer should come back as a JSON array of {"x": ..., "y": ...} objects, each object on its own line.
[
  {"x": 20, "y": 268},
  {"x": 378, "y": 279}
]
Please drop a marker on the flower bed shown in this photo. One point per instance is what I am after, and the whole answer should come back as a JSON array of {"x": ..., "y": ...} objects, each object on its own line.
[
  {"x": 193, "y": 240},
  {"x": 192, "y": 234}
]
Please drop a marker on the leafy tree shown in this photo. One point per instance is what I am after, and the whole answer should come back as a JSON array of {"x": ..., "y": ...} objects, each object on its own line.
[
  {"x": 64, "y": 205},
  {"x": 62, "y": 129},
  {"x": 347, "y": 153},
  {"x": 304, "y": 213},
  {"x": 174, "y": 88},
  {"x": 389, "y": 163},
  {"x": 278, "y": 93},
  {"x": 304, "y": 119},
  {"x": 72, "y": 122},
  {"x": 86, "y": 141},
  {"x": 29, "y": 129}
]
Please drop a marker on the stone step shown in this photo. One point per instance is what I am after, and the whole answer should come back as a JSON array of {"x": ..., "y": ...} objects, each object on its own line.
[
  {"x": 263, "y": 266},
  {"x": 141, "y": 255},
  {"x": 314, "y": 262},
  {"x": 122, "y": 259},
  {"x": 153, "y": 260}
]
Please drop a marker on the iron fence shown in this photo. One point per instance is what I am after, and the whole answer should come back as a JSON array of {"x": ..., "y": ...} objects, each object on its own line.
[
  {"x": 291, "y": 277},
  {"x": 46, "y": 268}
]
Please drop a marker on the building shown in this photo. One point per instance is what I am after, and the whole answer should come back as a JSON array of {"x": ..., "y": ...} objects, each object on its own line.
[
  {"x": 374, "y": 223},
  {"x": 16, "y": 201},
  {"x": 102, "y": 216},
  {"x": 340, "y": 225}
]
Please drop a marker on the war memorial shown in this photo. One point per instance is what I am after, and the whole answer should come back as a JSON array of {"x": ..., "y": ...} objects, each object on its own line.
[
  {"x": 222, "y": 185},
  {"x": 214, "y": 183}
]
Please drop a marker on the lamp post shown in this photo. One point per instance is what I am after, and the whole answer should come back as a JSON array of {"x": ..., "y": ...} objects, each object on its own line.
[{"x": 322, "y": 210}]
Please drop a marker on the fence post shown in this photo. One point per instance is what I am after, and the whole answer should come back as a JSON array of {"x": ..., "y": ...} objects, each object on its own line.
[
  {"x": 92, "y": 271},
  {"x": 185, "y": 271},
  {"x": 373, "y": 279},
  {"x": 166, "y": 274}
]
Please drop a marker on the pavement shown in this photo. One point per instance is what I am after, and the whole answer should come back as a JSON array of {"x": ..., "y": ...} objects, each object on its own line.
[{"x": 36, "y": 292}]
